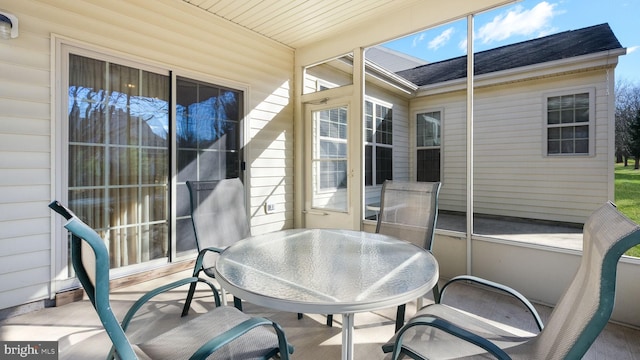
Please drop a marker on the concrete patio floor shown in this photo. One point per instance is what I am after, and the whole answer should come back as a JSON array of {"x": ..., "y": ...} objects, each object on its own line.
[{"x": 79, "y": 334}]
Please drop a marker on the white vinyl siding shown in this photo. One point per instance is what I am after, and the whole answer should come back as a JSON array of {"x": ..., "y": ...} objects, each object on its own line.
[
  {"x": 173, "y": 35},
  {"x": 513, "y": 177}
]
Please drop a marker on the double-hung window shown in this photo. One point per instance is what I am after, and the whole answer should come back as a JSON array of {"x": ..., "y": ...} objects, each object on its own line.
[
  {"x": 568, "y": 123},
  {"x": 378, "y": 162}
]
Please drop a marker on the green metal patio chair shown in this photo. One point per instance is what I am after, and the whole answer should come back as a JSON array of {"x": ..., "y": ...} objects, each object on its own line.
[
  {"x": 219, "y": 220},
  {"x": 409, "y": 211},
  {"x": 441, "y": 331},
  {"x": 222, "y": 333}
]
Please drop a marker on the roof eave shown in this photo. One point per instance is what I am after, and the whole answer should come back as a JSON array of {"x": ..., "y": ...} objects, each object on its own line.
[
  {"x": 601, "y": 59},
  {"x": 391, "y": 79}
]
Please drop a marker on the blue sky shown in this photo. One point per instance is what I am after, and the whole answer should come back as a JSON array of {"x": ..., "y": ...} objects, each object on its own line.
[{"x": 530, "y": 19}]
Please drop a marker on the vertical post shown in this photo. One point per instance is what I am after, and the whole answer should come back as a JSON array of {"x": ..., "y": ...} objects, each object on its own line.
[
  {"x": 347, "y": 336},
  {"x": 356, "y": 146},
  {"x": 299, "y": 143},
  {"x": 470, "y": 65}
]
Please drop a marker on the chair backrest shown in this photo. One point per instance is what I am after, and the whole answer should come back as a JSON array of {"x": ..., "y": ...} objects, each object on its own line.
[
  {"x": 585, "y": 307},
  {"x": 218, "y": 214},
  {"x": 409, "y": 211},
  {"x": 90, "y": 260}
]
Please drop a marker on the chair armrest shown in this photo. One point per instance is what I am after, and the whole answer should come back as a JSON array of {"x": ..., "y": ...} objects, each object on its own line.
[
  {"x": 503, "y": 288},
  {"x": 149, "y": 295},
  {"x": 452, "y": 329},
  {"x": 199, "y": 260},
  {"x": 214, "y": 344},
  {"x": 212, "y": 248}
]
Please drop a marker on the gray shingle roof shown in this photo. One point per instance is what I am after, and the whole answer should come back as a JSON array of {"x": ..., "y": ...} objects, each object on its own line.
[{"x": 563, "y": 45}]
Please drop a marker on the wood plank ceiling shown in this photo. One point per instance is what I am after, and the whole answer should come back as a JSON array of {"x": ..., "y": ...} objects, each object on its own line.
[{"x": 297, "y": 23}]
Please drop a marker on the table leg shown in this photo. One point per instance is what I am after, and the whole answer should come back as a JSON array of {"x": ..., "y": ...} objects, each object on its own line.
[
  {"x": 347, "y": 336},
  {"x": 223, "y": 296}
]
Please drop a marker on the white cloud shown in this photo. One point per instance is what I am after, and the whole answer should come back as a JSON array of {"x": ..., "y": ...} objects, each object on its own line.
[
  {"x": 441, "y": 39},
  {"x": 417, "y": 40},
  {"x": 632, "y": 49},
  {"x": 519, "y": 21},
  {"x": 462, "y": 45}
]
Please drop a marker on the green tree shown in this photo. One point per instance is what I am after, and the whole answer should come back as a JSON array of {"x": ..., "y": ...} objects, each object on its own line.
[
  {"x": 627, "y": 99},
  {"x": 634, "y": 139}
]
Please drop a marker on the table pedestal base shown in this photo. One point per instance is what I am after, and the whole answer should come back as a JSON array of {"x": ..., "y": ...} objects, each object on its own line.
[{"x": 347, "y": 336}]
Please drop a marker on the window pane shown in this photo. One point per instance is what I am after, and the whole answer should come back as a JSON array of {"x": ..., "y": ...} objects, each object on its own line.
[
  {"x": 553, "y": 147},
  {"x": 86, "y": 166},
  {"x": 553, "y": 133},
  {"x": 566, "y": 116},
  {"x": 123, "y": 166},
  {"x": 229, "y": 104},
  {"x": 187, "y": 162},
  {"x": 124, "y": 84},
  {"x": 229, "y": 135},
  {"x": 428, "y": 129},
  {"x": 553, "y": 117},
  {"x": 333, "y": 174},
  {"x": 368, "y": 165},
  {"x": 581, "y": 132},
  {"x": 553, "y": 103},
  {"x": 384, "y": 164},
  {"x": 428, "y": 168},
  {"x": 210, "y": 164},
  {"x": 154, "y": 203},
  {"x": 120, "y": 182},
  {"x": 186, "y": 131},
  {"x": 582, "y": 100},
  {"x": 87, "y": 99},
  {"x": 152, "y": 106},
  {"x": 567, "y": 146},
  {"x": 566, "y": 133},
  {"x": 567, "y": 101},
  {"x": 208, "y": 119},
  {"x": 88, "y": 205},
  {"x": 206, "y": 116},
  {"x": 384, "y": 125},
  {"x": 582, "y": 115},
  {"x": 582, "y": 146},
  {"x": 331, "y": 149}
]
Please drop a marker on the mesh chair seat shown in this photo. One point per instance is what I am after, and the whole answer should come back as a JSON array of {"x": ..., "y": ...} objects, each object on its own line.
[
  {"x": 180, "y": 342},
  {"x": 222, "y": 333},
  {"x": 441, "y": 345},
  {"x": 575, "y": 322}
]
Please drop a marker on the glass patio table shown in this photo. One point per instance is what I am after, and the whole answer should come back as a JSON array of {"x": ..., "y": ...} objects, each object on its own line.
[{"x": 327, "y": 271}]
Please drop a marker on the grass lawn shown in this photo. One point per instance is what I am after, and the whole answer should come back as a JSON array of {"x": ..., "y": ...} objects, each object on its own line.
[{"x": 627, "y": 193}]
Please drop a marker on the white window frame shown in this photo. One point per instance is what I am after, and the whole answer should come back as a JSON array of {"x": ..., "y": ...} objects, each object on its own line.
[
  {"x": 60, "y": 140},
  {"x": 591, "y": 123},
  {"x": 373, "y": 143},
  {"x": 60, "y": 171},
  {"x": 318, "y": 161},
  {"x": 414, "y": 139}
]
